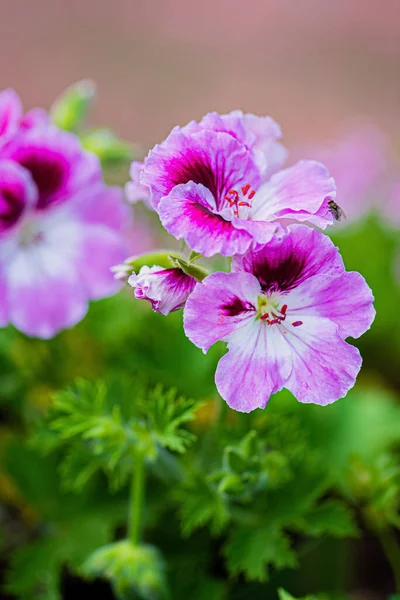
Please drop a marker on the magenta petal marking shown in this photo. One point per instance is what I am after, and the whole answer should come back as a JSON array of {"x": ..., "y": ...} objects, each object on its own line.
[
  {"x": 166, "y": 289},
  {"x": 189, "y": 212}
]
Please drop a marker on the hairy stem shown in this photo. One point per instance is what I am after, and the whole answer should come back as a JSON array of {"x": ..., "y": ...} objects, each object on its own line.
[
  {"x": 391, "y": 548},
  {"x": 136, "y": 500}
]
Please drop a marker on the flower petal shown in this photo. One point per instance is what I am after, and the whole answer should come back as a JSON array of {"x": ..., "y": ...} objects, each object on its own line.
[
  {"x": 296, "y": 193},
  {"x": 346, "y": 300},
  {"x": 17, "y": 193},
  {"x": 216, "y": 160},
  {"x": 188, "y": 213},
  {"x": 44, "y": 292},
  {"x": 222, "y": 303},
  {"x": 100, "y": 248},
  {"x": 324, "y": 366},
  {"x": 257, "y": 365},
  {"x": 287, "y": 261},
  {"x": 56, "y": 162},
  {"x": 166, "y": 289},
  {"x": 101, "y": 205}
]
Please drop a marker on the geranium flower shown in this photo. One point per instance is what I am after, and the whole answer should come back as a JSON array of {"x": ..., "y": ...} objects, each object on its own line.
[
  {"x": 166, "y": 289},
  {"x": 60, "y": 230},
  {"x": 284, "y": 312},
  {"x": 216, "y": 184}
]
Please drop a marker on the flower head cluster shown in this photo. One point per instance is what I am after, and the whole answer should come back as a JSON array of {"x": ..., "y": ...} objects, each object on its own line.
[
  {"x": 287, "y": 305},
  {"x": 60, "y": 225}
]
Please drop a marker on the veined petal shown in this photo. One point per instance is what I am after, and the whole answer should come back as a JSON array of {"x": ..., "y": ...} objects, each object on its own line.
[
  {"x": 188, "y": 212},
  {"x": 166, "y": 289},
  {"x": 56, "y": 161},
  {"x": 345, "y": 299},
  {"x": 213, "y": 159},
  {"x": 218, "y": 306},
  {"x": 324, "y": 366},
  {"x": 257, "y": 365},
  {"x": 296, "y": 193},
  {"x": 285, "y": 262},
  {"x": 262, "y": 232}
]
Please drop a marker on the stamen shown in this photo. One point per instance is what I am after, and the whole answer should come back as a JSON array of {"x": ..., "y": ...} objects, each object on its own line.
[
  {"x": 233, "y": 198},
  {"x": 277, "y": 315},
  {"x": 297, "y": 323}
]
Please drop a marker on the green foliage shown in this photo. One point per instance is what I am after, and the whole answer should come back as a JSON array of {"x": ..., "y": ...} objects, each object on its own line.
[
  {"x": 72, "y": 106},
  {"x": 131, "y": 569},
  {"x": 231, "y": 511},
  {"x": 70, "y": 526},
  {"x": 101, "y": 428}
]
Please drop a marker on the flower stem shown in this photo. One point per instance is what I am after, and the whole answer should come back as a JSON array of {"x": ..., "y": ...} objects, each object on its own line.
[
  {"x": 136, "y": 500},
  {"x": 391, "y": 548}
]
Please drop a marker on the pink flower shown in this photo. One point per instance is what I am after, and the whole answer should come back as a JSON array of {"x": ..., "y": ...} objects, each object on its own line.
[
  {"x": 216, "y": 184},
  {"x": 166, "y": 289},
  {"x": 284, "y": 311},
  {"x": 60, "y": 230}
]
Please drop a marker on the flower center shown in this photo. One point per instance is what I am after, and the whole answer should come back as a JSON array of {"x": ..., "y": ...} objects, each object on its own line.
[
  {"x": 236, "y": 199},
  {"x": 269, "y": 312},
  {"x": 30, "y": 233}
]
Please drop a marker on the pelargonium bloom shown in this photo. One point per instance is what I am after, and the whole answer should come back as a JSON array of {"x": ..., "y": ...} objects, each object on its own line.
[
  {"x": 284, "y": 311},
  {"x": 60, "y": 230},
  {"x": 217, "y": 184},
  {"x": 166, "y": 289}
]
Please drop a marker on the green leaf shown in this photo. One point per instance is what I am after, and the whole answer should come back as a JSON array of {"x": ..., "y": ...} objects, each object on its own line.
[
  {"x": 286, "y": 596},
  {"x": 107, "y": 146},
  {"x": 166, "y": 413},
  {"x": 131, "y": 569},
  {"x": 71, "y": 108},
  {"x": 331, "y": 517},
  {"x": 201, "y": 504},
  {"x": 251, "y": 550}
]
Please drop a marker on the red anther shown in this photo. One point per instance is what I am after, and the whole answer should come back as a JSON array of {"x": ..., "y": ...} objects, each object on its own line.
[
  {"x": 235, "y": 194},
  {"x": 273, "y": 321},
  {"x": 297, "y": 323},
  {"x": 244, "y": 204},
  {"x": 264, "y": 317},
  {"x": 245, "y": 189},
  {"x": 252, "y": 194},
  {"x": 284, "y": 309}
]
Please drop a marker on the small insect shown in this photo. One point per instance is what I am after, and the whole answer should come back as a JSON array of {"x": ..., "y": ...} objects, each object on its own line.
[{"x": 337, "y": 212}]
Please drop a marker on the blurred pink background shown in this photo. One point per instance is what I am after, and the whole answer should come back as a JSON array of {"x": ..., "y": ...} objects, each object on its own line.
[{"x": 311, "y": 64}]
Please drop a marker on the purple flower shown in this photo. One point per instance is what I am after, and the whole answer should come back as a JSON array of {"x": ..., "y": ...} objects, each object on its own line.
[
  {"x": 216, "y": 184},
  {"x": 60, "y": 229},
  {"x": 284, "y": 312},
  {"x": 166, "y": 289}
]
